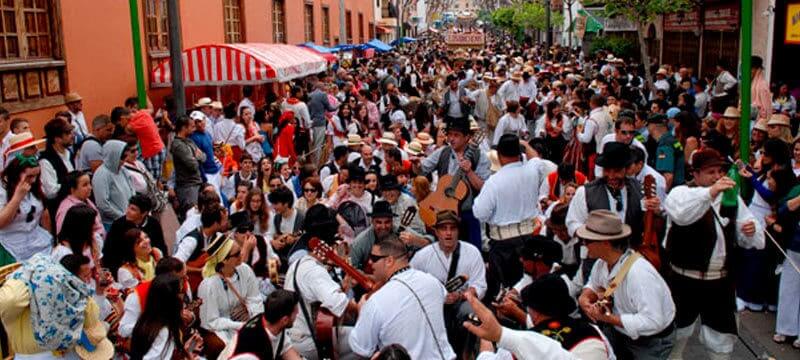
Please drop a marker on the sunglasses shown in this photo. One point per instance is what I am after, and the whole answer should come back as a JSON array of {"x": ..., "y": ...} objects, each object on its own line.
[
  {"x": 234, "y": 255},
  {"x": 309, "y": 190},
  {"x": 627, "y": 132},
  {"x": 375, "y": 258}
]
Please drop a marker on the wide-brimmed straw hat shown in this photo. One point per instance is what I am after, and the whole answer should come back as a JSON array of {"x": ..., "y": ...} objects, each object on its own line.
[
  {"x": 603, "y": 225},
  {"x": 388, "y": 138},
  {"x": 21, "y": 141}
]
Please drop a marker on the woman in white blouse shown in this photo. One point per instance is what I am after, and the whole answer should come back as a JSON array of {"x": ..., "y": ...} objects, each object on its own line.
[
  {"x": 78, "y": 237},
  {"x": 24, "y": 222},
  {"x": 139, "y": 259},
  {"x": 157, "y": 334},
  {"x": 230, "y": 295},
  {"x": 511, "y": 123}
]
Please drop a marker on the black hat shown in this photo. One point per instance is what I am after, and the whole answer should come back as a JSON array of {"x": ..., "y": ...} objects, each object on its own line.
[
  {"x": 356, "y": 173},
  {"x": 508, "y": 146},
  {"x": 459, "y": 124},
  {"x": 616, "y": 155},
  {"x": 540, "y": 248},
  {"x": 389, "y": 182},
  {"x": 657, "y": 119},
  {"x": 320, "y": 220},
  {"x": 549, "y": 295},
  {"x": 240, "y": 220},
  {"x": 382, "y": 208}
]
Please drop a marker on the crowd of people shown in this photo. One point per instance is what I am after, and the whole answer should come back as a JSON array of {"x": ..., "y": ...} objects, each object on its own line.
[{"x": 513, "y": 201}]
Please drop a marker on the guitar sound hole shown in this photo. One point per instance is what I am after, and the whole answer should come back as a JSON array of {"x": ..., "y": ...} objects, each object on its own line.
[{"x": 450, "y": 192}]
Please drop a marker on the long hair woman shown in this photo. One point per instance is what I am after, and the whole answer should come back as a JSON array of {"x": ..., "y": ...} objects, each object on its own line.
[
  {"x": 157, "y": 334},
  {"x": 78, "y": 237},
  {"x": 139, "y": 259},
  {"x": 264, "y": 171},
  {"x": 257, "y": 210},
  {"x": 24, "y": 222}
]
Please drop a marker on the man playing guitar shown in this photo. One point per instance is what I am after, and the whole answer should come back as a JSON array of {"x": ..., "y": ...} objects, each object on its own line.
[{"x": 280, "y": 312}]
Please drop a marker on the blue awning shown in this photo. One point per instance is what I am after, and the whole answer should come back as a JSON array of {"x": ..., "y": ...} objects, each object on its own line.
[
  {"x": 348, "y": 47},
  {"x": 378, "y": 45},
  {"x": 318, "y": 48},
  {"x": 403, "y": 40}
]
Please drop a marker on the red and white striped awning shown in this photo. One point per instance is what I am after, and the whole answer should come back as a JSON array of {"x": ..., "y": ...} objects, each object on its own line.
[{"x": 241, "y": 64}]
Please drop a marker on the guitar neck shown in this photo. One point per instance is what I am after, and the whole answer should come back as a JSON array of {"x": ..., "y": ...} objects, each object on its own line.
[{"x": 360, "y": 278}]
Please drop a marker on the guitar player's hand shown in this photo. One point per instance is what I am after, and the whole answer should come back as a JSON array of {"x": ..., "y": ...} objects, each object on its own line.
[
  {"x": 652, "y": 204},
  {"x": 452, "y": 297},
  {"x": 465, "y": 165}
]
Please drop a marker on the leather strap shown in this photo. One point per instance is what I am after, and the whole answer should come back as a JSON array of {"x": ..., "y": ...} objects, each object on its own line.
[
  {"x": 623, "y": 271},
  {"x": 306, "y": 315},
  {"x": 427, "y": 318},
  {"x": 454, "y": 261}
]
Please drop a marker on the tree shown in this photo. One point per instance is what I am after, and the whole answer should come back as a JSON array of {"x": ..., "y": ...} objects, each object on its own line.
[
  {"x": 522, "y": 16},
  {"x": 641, "y": 13}
]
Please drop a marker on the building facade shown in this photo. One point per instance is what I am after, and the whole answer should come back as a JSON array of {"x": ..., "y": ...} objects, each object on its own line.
[{"x": 51, "y": 47}]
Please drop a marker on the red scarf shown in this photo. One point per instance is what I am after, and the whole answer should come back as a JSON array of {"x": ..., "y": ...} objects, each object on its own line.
[{"x": 550, "y": 129}]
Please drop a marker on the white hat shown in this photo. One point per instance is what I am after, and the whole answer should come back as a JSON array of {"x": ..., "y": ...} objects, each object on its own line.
[
  {"x": 204, "y": 101},
  {"x": 197, "y": 115},
  {"x": 388, "y": 138}
]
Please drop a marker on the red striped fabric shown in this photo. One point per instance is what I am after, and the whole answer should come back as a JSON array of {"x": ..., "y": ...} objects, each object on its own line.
[{"x": 231, "y": 64}]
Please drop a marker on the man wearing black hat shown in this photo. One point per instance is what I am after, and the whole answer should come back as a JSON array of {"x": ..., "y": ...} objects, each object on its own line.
[
  {"x": 614, "y": 191},
  {"x": 459, "y": 156},
  {"x": 382, "y": 228},
  {"x": 400, "y": 202},
  {"x": 702, "y": 233},
  {"x": 508, "y": 204},
  {"x": 447, "y": 259},
  {"x": 669, "y": 153},
  {"x": 553, "y": 335},
  {"x": 455, "y": 102}
]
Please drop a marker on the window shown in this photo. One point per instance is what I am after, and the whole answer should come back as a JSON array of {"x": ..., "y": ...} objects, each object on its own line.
[
  {"x": 156, "y": 31},
  {"x": 348, "y": 27},
  {"x": 326, "y": 26},
  {"x": 232, "y": 13},
  {"x": 309, "y": 15},
  {"x": 371, "y": 30},
  {"x": 361, "y": 27},
  {"x": 278, "y": 22},
  {"x": 32, "y": 69}
]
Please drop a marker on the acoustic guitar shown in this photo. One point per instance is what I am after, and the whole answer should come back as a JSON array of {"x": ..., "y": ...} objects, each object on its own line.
[
  {"x": 649, "y": 247},
  {"x": 451, "y": 189},
  {"x": 325, "y": 323}
]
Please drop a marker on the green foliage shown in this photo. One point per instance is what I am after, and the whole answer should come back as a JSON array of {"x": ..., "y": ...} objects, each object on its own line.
[
  {"x": 520, "y": 17},
  {"x": 644, "y": 11},
  {"x": 619, "y": 46}
]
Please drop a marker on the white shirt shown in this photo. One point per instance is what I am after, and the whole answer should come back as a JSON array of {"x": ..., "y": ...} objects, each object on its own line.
[
  {"x": 192, "y": 222},
  {"x": 529, "y": 89},
  {"x": 229, "y": 132},
  {"x": 393, "y": 315},
  {"x": 511, "y": 195},
  {"x": 578, "y": 212},
  {"x": 315, "y": 285},
  {"x": 219, "y": 300},
  {"x": 509, "y": 91},
  {"x": 4, "y": 144},
  {"x": 162, "y": 347},
  {"x": 661, "y": 182},
  {"x": 612, "y": 137},
  {"x": 566, "y": 126},
  {"x": 432, "y": 260},
  {"x": 187, "y": 245},
  {"x": 531, "y": 345},
  {"x": 133, "y": 309},
  {"x": 509, "y": 124},
  {"x": 300, "y": 111},
  {"x": 287, "y": 225},
  {"x": 79, "y": 121},
  {"x": 49, "y": 178},
  {"x": 685, "y": 205},
  {"x": 596, "y": 127},
  {"x": 642, "y": 300}
]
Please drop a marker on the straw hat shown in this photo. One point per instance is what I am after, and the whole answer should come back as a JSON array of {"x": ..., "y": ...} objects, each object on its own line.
[
  {"x": 217, "y": 252},
  {"x": 424, "y": 138},
  {"x": 8, "y": 270},
  {"x": 21, "y": 141},
  {"x": 414, "y": 148},
  {"x": 204, "y": 101},
  {"x": 354, "y": 140},
  {"x": 216, "y": 105},
  {"x": 516, "y": 76},
  {"x": 95, "y": 345},
  {"x": 761, "y": 125},
  {"x": 72, "y": 97},
  {"x": 603, "y": 225},
  {"x": 661, "y": 71},
  {"x": 779, "y": 120},
  {"x": 388, "y": 138},
  {"x": 732, "y": 113}
]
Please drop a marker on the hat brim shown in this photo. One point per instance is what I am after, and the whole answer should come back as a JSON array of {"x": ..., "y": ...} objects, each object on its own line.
[
  {"x": 712, "y": 163},
  {"x": 355, "y": 143},
  {"x": 104, "y": 350},
  {"x": 388, "y": 142},
  {"x": 615, "y": 162},
  {"x": 587, "y": 234},
  {"x": 382, "y": 214},
  {"x": 424, "y": 142},
  {"x": 12, "y": 149}
]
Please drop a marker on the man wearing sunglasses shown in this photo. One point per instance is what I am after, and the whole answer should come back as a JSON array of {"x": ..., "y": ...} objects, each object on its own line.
[
  {"x": 407, "y": 310},
  {"x": 624, "y": 132}
]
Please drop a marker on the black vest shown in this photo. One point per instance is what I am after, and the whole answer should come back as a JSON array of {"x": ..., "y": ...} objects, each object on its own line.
[
  {"x": 690, "y": 247},
  {"x": 568, "y": 332},
  {"x": 597, "y": 199},
  {"x": 201, "y": 244},
  {"x": 260, "y": 266},
  {"x": 57, "y": 162},
  {"x": 253, "y": 339},
  {"x": 332, "y": 167}
]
